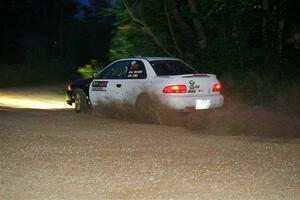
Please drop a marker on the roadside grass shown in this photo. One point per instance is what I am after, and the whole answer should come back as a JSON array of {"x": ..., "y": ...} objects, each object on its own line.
[{"x": 267, "y": 91}]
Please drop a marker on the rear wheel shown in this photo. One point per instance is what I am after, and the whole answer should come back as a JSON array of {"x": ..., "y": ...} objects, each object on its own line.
[
  {"x": 147, "y": 109},
  {"x": 80, "y": 101}
]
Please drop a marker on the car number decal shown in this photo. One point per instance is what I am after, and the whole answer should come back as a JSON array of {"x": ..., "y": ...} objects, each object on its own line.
[
  {"x": 99, "y": 86},
  {"x": 134, "y": 65},
  {"x": 134, "y": 73},
  {"x": 134, "y": 70}
]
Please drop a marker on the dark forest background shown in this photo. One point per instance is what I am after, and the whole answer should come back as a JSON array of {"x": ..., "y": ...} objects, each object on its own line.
[
  {"x": 252, "y": 45},
  {"x": 46, "y": 40}
]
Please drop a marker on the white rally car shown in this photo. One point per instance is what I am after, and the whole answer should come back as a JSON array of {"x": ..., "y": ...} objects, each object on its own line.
[{"x": 172, "y": 82}]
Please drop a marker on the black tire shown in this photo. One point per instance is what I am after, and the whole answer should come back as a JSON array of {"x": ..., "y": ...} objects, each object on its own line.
[
  {"x": 147, "y": 109},
  {"x": 80, "y": 101},
  {"x": 151, "y": 110}
]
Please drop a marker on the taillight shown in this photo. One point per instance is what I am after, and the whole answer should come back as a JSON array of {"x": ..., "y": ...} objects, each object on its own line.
[
  {"x": 217, "y": 87},
  {"x": 175, "y": 89}
]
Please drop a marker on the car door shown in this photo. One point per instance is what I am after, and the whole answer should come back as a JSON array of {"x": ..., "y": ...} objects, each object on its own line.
[
  {"x": 105, "y": 88},
  {"x": 121, "y": 82}
]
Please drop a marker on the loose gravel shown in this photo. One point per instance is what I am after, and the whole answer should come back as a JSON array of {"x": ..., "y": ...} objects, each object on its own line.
[{"x": 60, "y": 155}]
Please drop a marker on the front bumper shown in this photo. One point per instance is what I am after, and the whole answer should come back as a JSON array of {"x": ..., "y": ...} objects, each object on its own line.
[{"x": 69, "y": 97}]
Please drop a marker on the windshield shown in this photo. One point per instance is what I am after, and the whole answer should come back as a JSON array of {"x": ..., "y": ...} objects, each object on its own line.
[{"x": 171, "y": 67}]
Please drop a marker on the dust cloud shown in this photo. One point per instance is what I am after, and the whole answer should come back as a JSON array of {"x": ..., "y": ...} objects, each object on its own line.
[{"x": 234, "y": 118}]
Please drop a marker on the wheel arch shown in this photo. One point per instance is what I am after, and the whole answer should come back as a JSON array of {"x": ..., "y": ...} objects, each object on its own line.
[{"x": 141, "y": 95}]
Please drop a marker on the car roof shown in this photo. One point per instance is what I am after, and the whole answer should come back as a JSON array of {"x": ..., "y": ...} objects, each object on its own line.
[{"x": 154, "y": 58}]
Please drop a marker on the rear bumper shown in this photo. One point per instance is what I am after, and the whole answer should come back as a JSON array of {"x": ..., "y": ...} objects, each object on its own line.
[{"x": 189, "y": 103}]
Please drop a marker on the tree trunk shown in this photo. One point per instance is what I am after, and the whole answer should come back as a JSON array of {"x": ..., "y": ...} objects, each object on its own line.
[
  {"x": 274, "y": 28},
  {"x": 281, "y": 25},
  {"x": 61, "y": 30},
  {"x": 171, "y": 29},
  {"x": 265, "y": 23},
  {"x": 202, "y": 41},
  {"x": 182, "y": 25}
]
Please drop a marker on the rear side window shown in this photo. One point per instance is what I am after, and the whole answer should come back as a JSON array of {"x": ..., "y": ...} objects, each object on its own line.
[
  {"x": 171, "y": 67},
  {"x": 136, "y": 70}
]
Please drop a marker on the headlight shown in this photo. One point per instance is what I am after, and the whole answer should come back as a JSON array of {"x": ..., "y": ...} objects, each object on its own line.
[{"x": 69, "y": 88}]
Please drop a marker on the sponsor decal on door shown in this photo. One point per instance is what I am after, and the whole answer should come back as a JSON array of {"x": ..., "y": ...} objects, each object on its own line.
[{"x": 99, "y": 86}]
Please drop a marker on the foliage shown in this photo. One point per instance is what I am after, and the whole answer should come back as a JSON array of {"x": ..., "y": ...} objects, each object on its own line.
[
  {"x": 128, "y": 38},
  {"x": 88, "y": 70},
  {"x": 252, "y": 42},
  {"x": 128, "y": 41}
]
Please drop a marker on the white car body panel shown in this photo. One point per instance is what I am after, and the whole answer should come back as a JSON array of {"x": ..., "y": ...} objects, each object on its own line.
[{"x": 202, "y": 96}]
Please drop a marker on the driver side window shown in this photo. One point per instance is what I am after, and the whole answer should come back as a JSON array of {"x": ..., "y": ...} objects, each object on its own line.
[{"x": 117, "y": 70}]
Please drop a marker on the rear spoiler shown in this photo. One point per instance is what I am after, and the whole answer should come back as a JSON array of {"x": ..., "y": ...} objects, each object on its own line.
[{"x": 200, "y": 75}]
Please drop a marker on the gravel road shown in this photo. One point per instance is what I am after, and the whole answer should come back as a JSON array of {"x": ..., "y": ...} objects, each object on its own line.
[{"x": 60, "y": 155}]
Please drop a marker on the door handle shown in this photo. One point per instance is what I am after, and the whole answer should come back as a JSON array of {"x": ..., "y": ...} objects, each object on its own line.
[{"x": 118, "y": 85}]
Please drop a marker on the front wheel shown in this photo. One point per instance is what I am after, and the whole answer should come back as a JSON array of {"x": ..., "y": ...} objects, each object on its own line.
[{"x": 80, "y": 101}]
